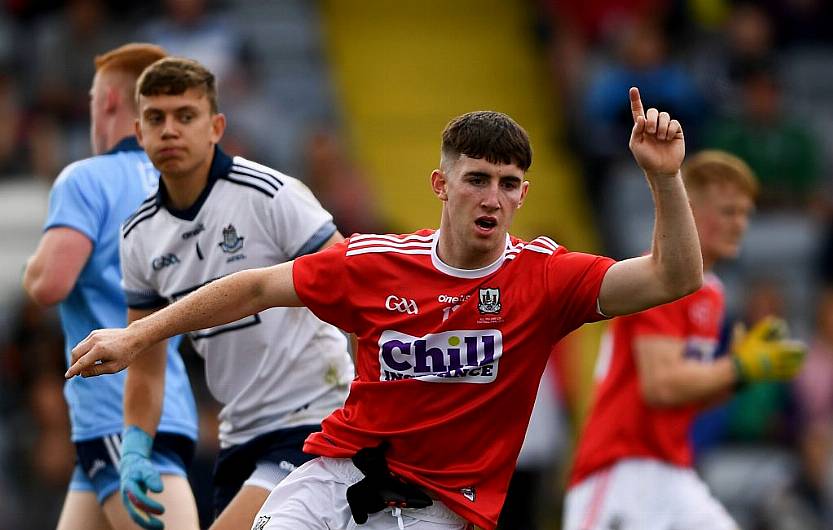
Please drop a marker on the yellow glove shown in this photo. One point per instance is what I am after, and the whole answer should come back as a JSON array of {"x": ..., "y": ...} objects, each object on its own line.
[{"x": 765, "y": 353}]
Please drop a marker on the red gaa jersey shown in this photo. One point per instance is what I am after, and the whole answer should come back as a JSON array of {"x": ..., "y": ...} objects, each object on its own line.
[
  {"x": 449, "y": 360},
  {"x": 621, "y": 423}
]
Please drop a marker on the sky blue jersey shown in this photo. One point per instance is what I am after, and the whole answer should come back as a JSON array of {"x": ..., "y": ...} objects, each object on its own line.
[{"x": 94, "y": 196}]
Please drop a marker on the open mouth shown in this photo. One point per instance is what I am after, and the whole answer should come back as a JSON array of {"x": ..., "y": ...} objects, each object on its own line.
[{"x": 486, "y": 223}]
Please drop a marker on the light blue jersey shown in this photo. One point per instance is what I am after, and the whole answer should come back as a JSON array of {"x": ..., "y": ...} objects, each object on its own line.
[{"x": 94, "y": 196}]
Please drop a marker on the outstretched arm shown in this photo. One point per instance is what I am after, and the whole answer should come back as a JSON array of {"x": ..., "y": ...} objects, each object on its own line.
[
  {"x": 220, "y": 302},
  {"x": 674, "y": 268}
]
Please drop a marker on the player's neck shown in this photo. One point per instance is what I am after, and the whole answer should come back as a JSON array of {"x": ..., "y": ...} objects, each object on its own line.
[
  {"x": 183, "y": 190},
  {"x": 460, "y": 255},
  {"x": 120, "y": 128}
]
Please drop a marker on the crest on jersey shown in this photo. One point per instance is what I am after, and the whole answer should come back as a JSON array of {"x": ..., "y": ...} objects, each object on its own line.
[
  {"x": 260, "y": 524},
  {"x": 469, "y": 493},
  {"x": 489, "y": 301},
  {"x": 231, "y": 242}
]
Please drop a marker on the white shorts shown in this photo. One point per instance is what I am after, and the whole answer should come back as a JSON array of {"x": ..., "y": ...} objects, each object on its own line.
[
  {"x": 314, "y": 496},
  {"x": 644, "y": 494}
]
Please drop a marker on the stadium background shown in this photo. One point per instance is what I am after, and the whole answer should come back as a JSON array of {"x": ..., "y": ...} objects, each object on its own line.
[{"x": 351, "y": 97}]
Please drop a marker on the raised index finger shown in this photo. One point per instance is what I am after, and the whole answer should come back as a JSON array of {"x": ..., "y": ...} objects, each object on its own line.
[{"x": 636, "y": 104}]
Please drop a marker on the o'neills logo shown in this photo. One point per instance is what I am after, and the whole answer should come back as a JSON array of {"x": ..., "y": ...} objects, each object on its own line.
[{"x": 463, "y": 356}]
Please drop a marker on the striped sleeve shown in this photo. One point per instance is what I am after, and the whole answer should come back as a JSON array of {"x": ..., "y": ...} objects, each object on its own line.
[{"x": 323, "y": 284}]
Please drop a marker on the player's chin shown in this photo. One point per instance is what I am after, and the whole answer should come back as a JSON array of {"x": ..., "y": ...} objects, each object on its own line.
[{"x": 170, "y": 166}]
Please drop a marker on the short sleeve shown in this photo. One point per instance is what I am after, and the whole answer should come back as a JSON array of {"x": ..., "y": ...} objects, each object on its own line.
[
  {"x": 574, "y": 280},
  {"x": 322, "y": 282},
  {"x": 300, "y": 224},
  {"x": 138, "y": 291},
  {"x": 77, "y": 201}
]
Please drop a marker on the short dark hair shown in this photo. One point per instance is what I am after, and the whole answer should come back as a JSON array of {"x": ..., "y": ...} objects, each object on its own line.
[
  {"x": 175, "y": 75},
  {"x": 487, "y": 134}
]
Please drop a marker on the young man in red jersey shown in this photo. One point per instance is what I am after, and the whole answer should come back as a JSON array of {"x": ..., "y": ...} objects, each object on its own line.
[
  {"x": 658, "y": 369},
  {"x": 454, "y": 329}
]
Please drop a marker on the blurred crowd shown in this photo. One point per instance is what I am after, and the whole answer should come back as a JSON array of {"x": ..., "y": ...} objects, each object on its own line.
[{"x": 753, "y": 78}]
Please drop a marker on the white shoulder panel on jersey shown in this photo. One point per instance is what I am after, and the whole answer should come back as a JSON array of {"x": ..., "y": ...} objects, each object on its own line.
[{"x": 377, "y": 243}]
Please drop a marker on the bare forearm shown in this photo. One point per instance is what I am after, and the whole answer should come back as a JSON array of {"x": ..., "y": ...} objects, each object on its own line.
[
  {"x": 144, "y": 389},
  {"x": 691, "y": 382},
  {"x": 676, "y": 246},
  {"x": 220, "y": 302}
]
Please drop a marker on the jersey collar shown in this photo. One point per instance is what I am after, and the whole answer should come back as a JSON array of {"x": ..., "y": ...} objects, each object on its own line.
[
  {"x": 220, "y": 167},
  {"x": 465, "y": 273},
  {"x": 128, "y": 143}
]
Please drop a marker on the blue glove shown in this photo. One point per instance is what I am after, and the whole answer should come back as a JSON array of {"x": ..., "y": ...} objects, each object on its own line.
[{"x": 138, "y": 475}]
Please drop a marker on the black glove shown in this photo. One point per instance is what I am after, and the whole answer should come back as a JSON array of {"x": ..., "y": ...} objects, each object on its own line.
[{"x": 380, "y": 488}]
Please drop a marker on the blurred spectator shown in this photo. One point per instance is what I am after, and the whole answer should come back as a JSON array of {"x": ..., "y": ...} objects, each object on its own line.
[
  {"x": 575, "y": 30},
  {"x": 47, "y": 151},
  {"x": 783, "y": 153},
  {"x": 189, "y": 29},
  {"x": 257, "y": 128},
  {"x": 11, "y": 161},
  {"x": 64, "y": 42},
  {"x": 39, "y": 455},
  {"x": 341, "y": 186},
  {"x": 814, "y": 393},
  {"x": 643, "y": 61},
  {"x": 719, "y": 56},
  {"x": 803, "y": 21}
]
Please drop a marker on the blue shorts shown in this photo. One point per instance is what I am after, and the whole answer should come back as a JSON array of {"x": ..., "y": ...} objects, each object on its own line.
[
  {"x": 235, "y": 464},
  {"x": 97, "y": 464}
]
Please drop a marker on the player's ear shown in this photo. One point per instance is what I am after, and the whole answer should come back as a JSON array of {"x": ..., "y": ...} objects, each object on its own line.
[
  {"x": 112, "y": 98},
  {"x": 218, "y": 126},
  {"x": 439, "y": 184},
  {"x": 138, "y": 128},
  {"x": 524, "y": 191}
]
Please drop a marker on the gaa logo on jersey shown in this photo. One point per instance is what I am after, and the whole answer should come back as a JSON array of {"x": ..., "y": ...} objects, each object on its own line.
[
  {"x": 460, "y": 356},
  {"x": 164, "y": 261},
  {"x": 489, "y": 301},
  {"x": 231, "y": 242}
]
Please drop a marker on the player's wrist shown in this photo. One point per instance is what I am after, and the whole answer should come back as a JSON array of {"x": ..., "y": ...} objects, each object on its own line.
[
  {"x": 138, "y": 335},
  {"x": 663, "y": 177},
  {"x": 136, "y": 441}
]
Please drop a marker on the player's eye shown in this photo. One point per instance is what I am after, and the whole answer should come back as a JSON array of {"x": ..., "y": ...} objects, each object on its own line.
[{"x": 186, "y": 117}]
